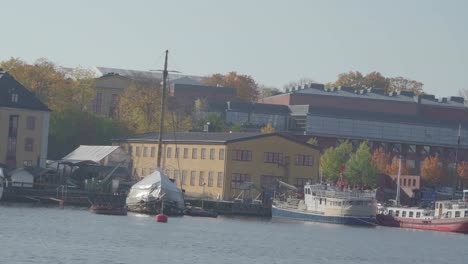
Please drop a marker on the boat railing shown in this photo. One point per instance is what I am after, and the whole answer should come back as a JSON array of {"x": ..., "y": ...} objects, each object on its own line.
[{"x": 344, "y": 194}]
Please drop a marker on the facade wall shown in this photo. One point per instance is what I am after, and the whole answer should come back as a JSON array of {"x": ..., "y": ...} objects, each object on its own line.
[
  {"x": 222, "y": 167},
  {"x": 286, "y": 170},
  {"x": 108, "y": 88},
  {"x": 282, "y": 99},
  {"x": 36, "y": 154}
]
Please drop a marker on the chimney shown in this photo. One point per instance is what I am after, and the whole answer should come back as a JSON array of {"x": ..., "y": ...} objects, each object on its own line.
[
  {"x": 443, "y": 100},
  {"x": 317, "y": 86}
]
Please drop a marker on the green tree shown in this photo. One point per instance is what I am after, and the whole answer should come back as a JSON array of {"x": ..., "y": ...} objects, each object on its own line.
[
  {"x": 246, "y": 87},
  {"x": 333, "y": 158},
  {"x": 313, "y": 141},
  {"x": 360, "y": 170},
  {"x": 216, "y": 120},
  {"x": 268, "y": 91}
]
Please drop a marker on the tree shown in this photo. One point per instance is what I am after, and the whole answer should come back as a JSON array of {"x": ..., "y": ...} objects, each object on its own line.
[
  {"x": 268, "y": 91},
  {"x": 81, "y": 89},
  {"x": 404, "y": 84},
  {"x": 246, "y": 87},
  {"x": 464, "y": 93},
  {"x": 360, "y": 170},
  {"x": 268, "y": 129},
  {"x": 333, "y": 158},
  {"x": 313, "y": 141},
  {"x": 376, "y": 80},
  {"x": 462, "y": 170},
  {"x": 354, "y": 79},
  {"x": 392, "y": 169},
  {"x": 381, "y": 160},
  {"x": 431, "y": 171}
]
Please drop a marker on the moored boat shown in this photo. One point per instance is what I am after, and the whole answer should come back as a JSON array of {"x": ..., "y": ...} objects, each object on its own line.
[
  {"x": 329, "y": 204},
  {"x": 108, "y": 209},
  {"x": 447, "y": 216}
]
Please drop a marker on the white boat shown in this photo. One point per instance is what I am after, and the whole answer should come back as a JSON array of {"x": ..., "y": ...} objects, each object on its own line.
[
  {"x": 154, "y": 192},
  {"x": 329, "y": 204}
]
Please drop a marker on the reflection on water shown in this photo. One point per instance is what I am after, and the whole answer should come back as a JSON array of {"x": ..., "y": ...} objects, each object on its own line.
[{"x": 31, "y": 234}]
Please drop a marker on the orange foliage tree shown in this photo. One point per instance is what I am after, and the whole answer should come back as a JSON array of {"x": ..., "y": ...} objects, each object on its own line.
[
  {"x": 462, "y": 170},
  {"x": 381, "y": 160},
  {"x": 431, "y": 172},
  {"x": 246, "y": 87},
  {"x": 392, "y": 169}
]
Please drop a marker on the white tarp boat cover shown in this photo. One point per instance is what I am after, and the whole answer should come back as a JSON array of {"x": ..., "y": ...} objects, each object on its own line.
[{"x": 154, "y": 186}]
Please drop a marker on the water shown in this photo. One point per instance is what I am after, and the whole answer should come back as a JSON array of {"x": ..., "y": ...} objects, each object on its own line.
[{"x": 52, "y": 235}]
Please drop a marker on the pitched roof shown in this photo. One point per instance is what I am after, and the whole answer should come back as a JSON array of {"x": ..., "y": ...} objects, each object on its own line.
[
  {"x": 93, "y": 153},
  {"x": 206, "y": 137},
  {"x": 26, "y": 99}
]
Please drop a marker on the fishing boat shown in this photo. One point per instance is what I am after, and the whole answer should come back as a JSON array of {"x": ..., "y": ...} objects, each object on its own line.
[{"x": 328, "y": 204}]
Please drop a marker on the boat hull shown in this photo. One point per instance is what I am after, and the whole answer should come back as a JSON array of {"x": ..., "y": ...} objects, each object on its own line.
[
  {"x": 277, "y": 212},
  {"x": 458, "y": 225}
]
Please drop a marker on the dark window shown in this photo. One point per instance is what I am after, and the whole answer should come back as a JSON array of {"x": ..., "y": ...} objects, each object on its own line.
[
  {"x": 273, "y": 157},
  {"x": 203, "y": 153},
  {"x": 184, "y": 177},
  {"x": 418, "y": 214},
  {"x": 242, "y": 155},
  {"x": 457, "y": 214},
  {"x": 238, "y": 179},
  {"x": 31, "y": 122},
  {"x": 168, "y": 152},
  {"x": 201, "y": 180},
  {"x": 404, "y": 182},
  {"x": 185, "y": 153},
  {"x": 221, "y": 154},
  {"x": 192, "y": 178},
  {"x": 304, "y": 160},
  {"x": 410, "y": 214},
  {"x": 28, "y": 144},
  {"x": 414, "y": 182},
  {"x": 210, "y": 179},
  {"x": 194, "y": 153},
  {"x": 212, "y": 154},
  {"x": 97, "y": 104},
  {"x": 270, "y": 182},
  {"x": 138, "y": 151},
  {"x": 219, "y": 183}
]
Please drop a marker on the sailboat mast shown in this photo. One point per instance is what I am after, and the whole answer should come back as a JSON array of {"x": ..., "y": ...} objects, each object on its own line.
[
  {"x": 163, "y": 108},
  {"x": 397, "y": 199}
]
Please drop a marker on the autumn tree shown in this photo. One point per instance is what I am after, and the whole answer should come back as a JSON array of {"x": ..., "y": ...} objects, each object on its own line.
[
  {"x": 354, "y": 79},
  {"x": 333, "y": 158},
  {"x": 360, "y": 170},
  {"x": 392, "y": 169},
  {"x": 462, "y": 170},
  {"x": 313, "y": 141},
  {"x": 268, "y": 91},
  {"x": 381, "y": 160},
  {"x": 405, "y": 84},
  {"x": 246, "y": 87},
  {"x": 376, "y": 80},
  {"x": 268, "y": 129},
  {"x": 431, "y": 172}
]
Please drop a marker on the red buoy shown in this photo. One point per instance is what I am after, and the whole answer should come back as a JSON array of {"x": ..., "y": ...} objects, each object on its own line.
[{"x": 161, "y": 218}]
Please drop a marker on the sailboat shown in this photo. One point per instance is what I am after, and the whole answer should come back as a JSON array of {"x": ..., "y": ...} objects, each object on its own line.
[
  {"x": 156, "y": 193},
  {"x": 448, "y": 215}
]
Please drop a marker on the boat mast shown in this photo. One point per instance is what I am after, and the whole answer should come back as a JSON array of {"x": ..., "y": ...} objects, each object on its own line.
[
  {"x": 455, "y": 181},
  {"x": 163, "y": 108},
  {"x": 397, "y": 199}
]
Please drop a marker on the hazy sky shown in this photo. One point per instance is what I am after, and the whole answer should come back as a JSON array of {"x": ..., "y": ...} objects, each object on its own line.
[{"x": 274, "y": 41}]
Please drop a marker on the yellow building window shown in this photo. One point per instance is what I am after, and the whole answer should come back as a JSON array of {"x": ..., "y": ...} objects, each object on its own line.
[
  {"x": 185, "y": 153},
  {"x": 192, "y": 178},
  {"x": 194, "y": 153},
  {"x": 221, "y": 154},
  {"x": 242, "y": 155},
  {"x": 153, "y": 151},
  {"x": 184, "y": 177},
  {"x": 238, "y": 179},
  {"x": 145, "y": 151},
  {"x": 168, "y": 152},
  {"x": 273, "y": 157},
  {"x": 210, "y": 179},
  {"x": 201, "y": 179},
  {"x": 203, "y": 153},
  {"x": 138, "y": 151},
  {"x": 220, "y": 179},
  {"x": 212, "y": 154}
]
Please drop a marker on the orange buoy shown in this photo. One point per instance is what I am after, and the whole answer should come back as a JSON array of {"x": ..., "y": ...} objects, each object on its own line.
[{"x": 161, "y": 218}]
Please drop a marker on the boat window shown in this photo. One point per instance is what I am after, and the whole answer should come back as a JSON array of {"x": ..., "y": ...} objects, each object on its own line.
[
  {"x": 403, "y": 214},
  {"x": 320, "y": 200},
  {"x": 457, "y": 214},
  {"x": 390, "y": 212},
  {"x": 418, "y": 214},
  {"x": 466, "y": 213},
  {"x": 410, "y": 214},
  {"x": 397, "y": 212}
]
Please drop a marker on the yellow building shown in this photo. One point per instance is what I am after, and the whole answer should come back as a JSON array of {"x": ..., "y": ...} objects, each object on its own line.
[
  {"x": 24, "y": 125},
  {"x": 223, "y": 165}
]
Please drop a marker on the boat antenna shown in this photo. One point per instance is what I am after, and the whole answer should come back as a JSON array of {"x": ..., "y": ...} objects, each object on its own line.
[
  {"x": 397, "y": 199},
  {"x": 163, "y": 108}
]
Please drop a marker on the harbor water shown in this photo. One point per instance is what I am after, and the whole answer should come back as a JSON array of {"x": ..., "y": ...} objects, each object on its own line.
[{"x": 31, "y": 234}]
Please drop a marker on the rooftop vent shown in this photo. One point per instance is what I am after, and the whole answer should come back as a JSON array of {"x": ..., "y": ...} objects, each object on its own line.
[
  {"x": 407, "y": 93},
  {"x": 443, "y": 100},
  {"x": 317, "y": 86},
  {"x": 293, "y": 89},
  {"x": 429, "y": 97},
  {"x": 347, "y": 89},
  {"x": 457, "y": 99},
  {"x": 287, "y": 90},
  {"x": 305, "y": 86}
]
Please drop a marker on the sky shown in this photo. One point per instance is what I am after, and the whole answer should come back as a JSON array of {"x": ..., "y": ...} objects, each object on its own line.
[{"x": 276, "y": 42}]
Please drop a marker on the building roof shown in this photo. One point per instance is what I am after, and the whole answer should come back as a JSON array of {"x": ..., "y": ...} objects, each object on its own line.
[
  {"x": 147, "y": 75},
  {"x": 206, "y": 137},
  {"x": 377, "y": 94},
  {"x": 240, "y": 106},
  {"x": 203, "y": 88},
  {"x": 92, "y": 153},
  {"x": 26, "y": 99}
]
